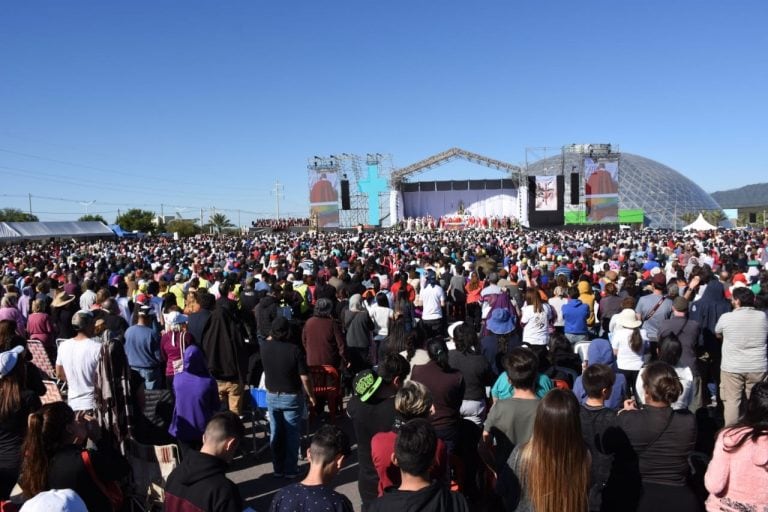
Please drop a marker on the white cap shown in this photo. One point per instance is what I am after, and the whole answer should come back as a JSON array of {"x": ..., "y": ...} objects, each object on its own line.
[{"x": 62, "y": 500}]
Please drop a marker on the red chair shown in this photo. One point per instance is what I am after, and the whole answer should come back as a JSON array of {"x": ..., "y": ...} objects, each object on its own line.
[{"x": 326, "y": 383}]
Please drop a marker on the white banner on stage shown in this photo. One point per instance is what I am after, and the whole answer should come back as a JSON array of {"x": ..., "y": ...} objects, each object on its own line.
[{"x": 476, "y": 203}]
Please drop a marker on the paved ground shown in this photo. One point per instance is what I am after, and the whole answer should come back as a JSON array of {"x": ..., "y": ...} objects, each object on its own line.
[{"x": 253, "y": 473}]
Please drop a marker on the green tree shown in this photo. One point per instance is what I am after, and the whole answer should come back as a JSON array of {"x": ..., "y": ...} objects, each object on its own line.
[
  {"x": 16, "y": 215},
  {"x": 183, "y": 227},
  {"x": 92, "y": 218},
  {"x": 715, "y": 217},
  {"x": 219, "y": 221},
  {"x": 136, "y": 220},
  {"x": 688, "y": 217}
]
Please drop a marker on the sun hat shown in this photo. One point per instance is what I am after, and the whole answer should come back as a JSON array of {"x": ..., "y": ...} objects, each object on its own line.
[
  {"x": 501, "y": 322},
  {"x": 177, "y": 318},
  {"x": 62, "y": 299},
  {"x": 8, "y": 360},
  {"x": 627, "y": 319},
  {"x": 365, "y": 384}
]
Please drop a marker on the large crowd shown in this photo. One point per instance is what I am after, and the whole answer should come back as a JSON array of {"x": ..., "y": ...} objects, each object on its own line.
[{"x": 481, "y": 369}]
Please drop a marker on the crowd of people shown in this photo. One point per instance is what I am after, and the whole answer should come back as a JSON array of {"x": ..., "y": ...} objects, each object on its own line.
[
  {"x": 280, "y": 224},
  {"x": 457, "y": 222},
  {"x": 486, "y": 369}
]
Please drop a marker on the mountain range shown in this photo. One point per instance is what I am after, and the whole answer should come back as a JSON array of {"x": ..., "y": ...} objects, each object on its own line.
[{"x": 749, "y": 195}]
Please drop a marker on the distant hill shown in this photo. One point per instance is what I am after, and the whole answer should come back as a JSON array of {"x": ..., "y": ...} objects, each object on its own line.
[{"x": 751, "y": 195}]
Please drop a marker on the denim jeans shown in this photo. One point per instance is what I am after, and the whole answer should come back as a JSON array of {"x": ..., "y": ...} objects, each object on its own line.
[
  {"x": 285, "y": 412},
  {"x": 153, "y": 377}
]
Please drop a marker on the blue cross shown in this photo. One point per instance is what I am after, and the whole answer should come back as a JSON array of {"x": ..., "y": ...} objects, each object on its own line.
[{"x": 372, "y": 186}]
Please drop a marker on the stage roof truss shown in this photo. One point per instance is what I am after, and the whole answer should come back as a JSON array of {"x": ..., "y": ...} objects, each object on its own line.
[{"x": 403, "y": 174}]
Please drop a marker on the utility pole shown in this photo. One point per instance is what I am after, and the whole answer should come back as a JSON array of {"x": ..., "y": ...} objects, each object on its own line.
[
  {"x": 30, "y": 203},
  {"x": 201, "y": 220},
  {"x": 162, "y": 213},
  {"x": 238, "y": 220},
  {"x": 277, "y": 191}
]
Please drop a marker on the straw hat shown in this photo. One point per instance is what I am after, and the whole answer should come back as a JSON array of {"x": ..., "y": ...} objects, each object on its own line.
[{"x": 62, "y": 299}]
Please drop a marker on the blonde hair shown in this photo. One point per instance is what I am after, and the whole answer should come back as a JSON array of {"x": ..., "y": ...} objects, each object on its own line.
[
  {"x": 413, "y": 400},
  {"x": 38, "y": 306}
]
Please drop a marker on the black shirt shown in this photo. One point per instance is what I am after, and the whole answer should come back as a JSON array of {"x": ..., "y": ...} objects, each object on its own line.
[
  {"x": 369, "y": 418},
  {"x": 13, "y": 428},
  {"x": 687, "y": 332},
  {"x": 476, "y": 371},
  {"x": 661, "y": 439},
  {"x": 283, "y": 364}
]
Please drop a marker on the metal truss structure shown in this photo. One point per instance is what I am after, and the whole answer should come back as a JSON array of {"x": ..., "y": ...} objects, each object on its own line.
[{"x": 400, "y": 175}]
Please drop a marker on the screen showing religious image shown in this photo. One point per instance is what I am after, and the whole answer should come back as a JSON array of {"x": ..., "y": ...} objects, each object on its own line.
[
  {"x": 601, "y": 187},
  {"x": 324, "y": 197},
  {"x": 546, "y": 193}
]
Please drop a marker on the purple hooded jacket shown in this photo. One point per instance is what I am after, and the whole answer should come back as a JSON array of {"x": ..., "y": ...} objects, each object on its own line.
[{"x": 197, "y": 397}]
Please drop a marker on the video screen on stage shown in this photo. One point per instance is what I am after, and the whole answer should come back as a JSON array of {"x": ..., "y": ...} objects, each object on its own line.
[
  {"x": 324, "y": 197},
  {"x": 601, "y": 190},
  {"x": 546, "y": 193}
]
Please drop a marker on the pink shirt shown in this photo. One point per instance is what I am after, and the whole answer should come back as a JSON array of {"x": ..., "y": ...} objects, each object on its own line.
[{"x": 737, "y": 480}]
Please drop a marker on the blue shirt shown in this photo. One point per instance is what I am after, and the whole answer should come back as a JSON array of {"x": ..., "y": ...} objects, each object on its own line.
[
  {"x": 142, "y": 346},
  {"x": 575, "y": 314}
]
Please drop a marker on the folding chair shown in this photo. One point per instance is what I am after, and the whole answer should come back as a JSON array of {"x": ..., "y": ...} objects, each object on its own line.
[
  {"x": 326, "y": 383},
  {"x": 150, "y": 467},
  {"x": 259, "y": 418},
  {"x": 40, "y": 359},
  {"x": 52, "y": 393}
]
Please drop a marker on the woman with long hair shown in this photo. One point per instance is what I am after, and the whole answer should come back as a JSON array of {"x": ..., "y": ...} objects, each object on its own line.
[
  {"x": 736, "y": 477},
  {"x": 54, "y": 457},
  {"x": 535, "y": 319},
  {"x": 475, "y": 369},
  {"x": 16, "y": 402},
  {"x": 628, "y": 346},
  {"x": 660, "y": 441},
  {"x": 472, "y": 289},
  {"x": 447, "y": 388},
  {"x": 552, "y": 469}
]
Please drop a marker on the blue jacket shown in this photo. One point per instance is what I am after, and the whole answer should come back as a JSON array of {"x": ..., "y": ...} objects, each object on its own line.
[
  {"x": 575, "y": 314},
  {"x": 142, "y": 346},
  {"x": 600, "y": 352}
]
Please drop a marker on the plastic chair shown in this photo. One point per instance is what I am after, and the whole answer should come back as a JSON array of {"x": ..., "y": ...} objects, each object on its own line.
[
  {"x": 326, "y": 383},
  {"x": 581, "y": 349}
]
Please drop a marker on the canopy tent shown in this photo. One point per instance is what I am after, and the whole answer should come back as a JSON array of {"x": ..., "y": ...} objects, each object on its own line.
[
  {"x": 699, "y": 224},
  {"x": 43, "y": 230},
  {"x": 7, "y": 233}
]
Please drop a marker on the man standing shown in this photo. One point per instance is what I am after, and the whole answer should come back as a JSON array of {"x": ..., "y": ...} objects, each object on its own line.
[
  {"x": 372, "y": 410},
  {"x": 76, "y": 362},
  {"x": 575, "y": 315},
  {"x": 653, "y": 309},
  {"x": 433, "y": 301},
  {"x": 200, "y": 482},
  {"x": 142, "y": 346},
  {"x": 322, "y": 338},
  {"x": 744, "y": 332}
]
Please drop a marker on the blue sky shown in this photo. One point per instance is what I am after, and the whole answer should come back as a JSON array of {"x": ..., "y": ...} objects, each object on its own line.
[{"x": 205, "y": 104}]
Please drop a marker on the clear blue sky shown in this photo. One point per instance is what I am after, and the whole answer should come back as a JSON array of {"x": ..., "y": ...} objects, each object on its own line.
[{"x": 201, "y": 104}]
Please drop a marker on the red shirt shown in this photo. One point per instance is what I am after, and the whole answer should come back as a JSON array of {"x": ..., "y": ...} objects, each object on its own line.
[{"x": 382, "y": 448}]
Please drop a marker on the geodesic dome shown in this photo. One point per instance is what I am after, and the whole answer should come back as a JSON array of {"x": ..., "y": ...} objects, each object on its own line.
[{"x": 660, "y": 191}]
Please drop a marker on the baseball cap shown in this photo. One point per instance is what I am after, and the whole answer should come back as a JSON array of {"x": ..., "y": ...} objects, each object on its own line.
[
  {"x": 365, "y": 384},
  {"x": 8, "y": 360}
]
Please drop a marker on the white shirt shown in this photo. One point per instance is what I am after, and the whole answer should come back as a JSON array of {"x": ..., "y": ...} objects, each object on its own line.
[
  {"x": 432, "y": 298},
  {"x": 79, "y": 359},
  {"x": 536, "y": 325},
  {"x": 686, "y": 379},
  {"x": 626, "y": 359},
  {"x": 87, "y": 299},
  {"x": 380, "y": 316}
]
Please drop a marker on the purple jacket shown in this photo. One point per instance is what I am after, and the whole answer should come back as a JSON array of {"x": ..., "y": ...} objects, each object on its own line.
[{"x": 197, "y": 397}]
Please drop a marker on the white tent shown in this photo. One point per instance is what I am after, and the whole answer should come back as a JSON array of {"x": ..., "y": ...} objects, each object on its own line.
[{"x": 700, "y": 224}]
